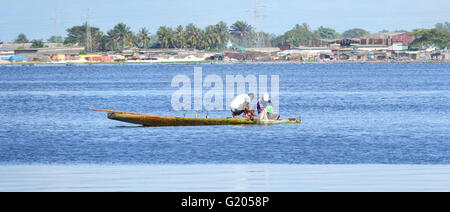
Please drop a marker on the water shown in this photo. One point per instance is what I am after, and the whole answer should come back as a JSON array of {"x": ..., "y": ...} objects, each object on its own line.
[
  {"x": 226, "y": 178},
  {"x": 352, "y": 114}
]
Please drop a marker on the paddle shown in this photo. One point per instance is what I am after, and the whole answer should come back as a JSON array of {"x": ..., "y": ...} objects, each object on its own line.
[{"x": 113, "y": 111}]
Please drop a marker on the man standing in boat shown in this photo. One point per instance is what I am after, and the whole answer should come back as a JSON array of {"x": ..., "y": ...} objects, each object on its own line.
[{"x": 241, "y": 104}]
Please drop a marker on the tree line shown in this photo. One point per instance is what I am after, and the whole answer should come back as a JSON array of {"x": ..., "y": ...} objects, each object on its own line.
[{"x": 216, "y": 37}]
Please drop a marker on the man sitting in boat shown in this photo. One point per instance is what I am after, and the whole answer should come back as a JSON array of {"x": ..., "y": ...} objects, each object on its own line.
[
  {"x": 263, "y": 102},
  {"x": 241, "y": 105},
  {"x": 265, "y": 110}
]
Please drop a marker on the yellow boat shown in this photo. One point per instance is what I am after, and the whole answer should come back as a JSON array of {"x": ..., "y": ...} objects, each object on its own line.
[{"x": 161, "y": 121}]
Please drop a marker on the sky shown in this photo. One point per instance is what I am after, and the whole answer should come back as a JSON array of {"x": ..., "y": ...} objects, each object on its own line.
[{"x": 37, "y": 19}]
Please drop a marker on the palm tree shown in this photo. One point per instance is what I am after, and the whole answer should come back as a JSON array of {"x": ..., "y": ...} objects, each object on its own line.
[
  {"x": 209, "y": 38},
  {"x": 143, "y": 38},
  {"x": 306, "y": 27},
  {"x": 221, "y": 33},
  {"x": 165, "y": 36},
  {"x": 180, "y": 41},
  {"x": 121, "y": 36},
  {"x": 240, "y": 30},
  {"x": 110, "y": 41},
  {"x": 193, "y": 36},
  {"x": 205, "y": 40}
]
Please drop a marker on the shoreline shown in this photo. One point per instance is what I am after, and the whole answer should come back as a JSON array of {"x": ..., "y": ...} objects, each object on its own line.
[{"x": 221, "y": 62}]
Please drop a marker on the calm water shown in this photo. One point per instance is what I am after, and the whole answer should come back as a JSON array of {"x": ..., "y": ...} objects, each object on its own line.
[
  {"x": 226, "y": 178},
  {"x": 352, "y": 114}
]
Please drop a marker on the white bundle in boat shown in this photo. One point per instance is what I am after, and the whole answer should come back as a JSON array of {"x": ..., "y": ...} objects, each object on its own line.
[{"x": 263, "y": 116}]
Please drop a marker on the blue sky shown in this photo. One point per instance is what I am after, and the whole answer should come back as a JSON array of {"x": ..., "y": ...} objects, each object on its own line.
[{"x": 37, "y": 18}]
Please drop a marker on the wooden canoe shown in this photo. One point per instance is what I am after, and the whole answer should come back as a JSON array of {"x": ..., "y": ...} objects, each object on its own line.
[{"x": 160, "y": 121}]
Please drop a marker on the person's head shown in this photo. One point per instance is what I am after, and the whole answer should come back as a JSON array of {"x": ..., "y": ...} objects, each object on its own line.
[
  {"x": 266, "y": 97},
  {"x": 252, "y": 96}
]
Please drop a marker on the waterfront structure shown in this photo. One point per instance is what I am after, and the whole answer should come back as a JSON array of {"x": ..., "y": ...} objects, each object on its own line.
[
  {"x": 332, "y": 43},
  {"x": 387, "y": 39}
]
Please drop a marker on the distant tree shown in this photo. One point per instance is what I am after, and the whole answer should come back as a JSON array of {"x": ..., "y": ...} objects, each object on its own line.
[
  {"x": 401, "y": 31},
  {"x": 37, "y": 44},
  {"x": 21, "y": 38},
  {"x": 55, "y": 39},
  {"x": 221, "y": 35},
  {"x": 77, "y": 36},
  {"x": 208, "y": 38},
  {"x": 193, "y": 36},
  {"x": 295, "y": 36},
  {"x": 120, "y": 37},
  {"x": 240, "y": 30},
  {"x": 445, "y": 25},
  {"x": 142, "y": 38},
  {"x": 355, "y": 33},
  {"x": 384, "y": 31},
  {"x": 431, "y": 37},
  {"x": 166, "y": 36},
  {"x": 154, "y": 41},
  {"x": 180, "y": 40},
  {"x": 306, "y": 26},
  {"x": 326, "y": 33},
  {"x": 266, "y": 39}
]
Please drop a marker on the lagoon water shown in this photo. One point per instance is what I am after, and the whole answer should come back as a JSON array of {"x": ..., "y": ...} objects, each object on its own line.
[{"x": 357, "y": 118}]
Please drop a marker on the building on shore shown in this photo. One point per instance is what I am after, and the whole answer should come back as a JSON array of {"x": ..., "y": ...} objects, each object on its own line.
[
  {"x": 46, "y": 54},
  {"x": 387, "y": 39},
  {"x": 331, "y": 43},
  {"x": 376, "y": 47}
]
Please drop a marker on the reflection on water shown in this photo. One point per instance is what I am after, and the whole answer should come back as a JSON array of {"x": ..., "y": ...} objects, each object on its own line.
[{"x": 237, "y": 178}]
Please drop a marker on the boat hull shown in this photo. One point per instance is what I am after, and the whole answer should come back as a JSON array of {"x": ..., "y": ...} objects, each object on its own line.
[{"x": 161, "y": 121}]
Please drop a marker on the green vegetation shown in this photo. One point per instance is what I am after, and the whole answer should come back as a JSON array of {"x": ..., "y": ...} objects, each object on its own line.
[
  {"x": 37, "y": 44},
  {"x": 445, "y": 25},
  {"x": 326, "y": 33},
  {"x": 77, "y": 36},
  {"x": 142, "y": 39},
  {"x": 55, "y": 39},
  {"x": 22, "y": 38},
  {"x": 355, "y": 33},
  {"x": 295, "y": 36},
  {"x": 120, "y": 37},
  {"x": 165, "y": 35},
  {"x": 210, "y": 38},
  {"x": 240, "y": 32},
  {"x": 431, "y": 37},
  {"x": 216, "y": 37}
]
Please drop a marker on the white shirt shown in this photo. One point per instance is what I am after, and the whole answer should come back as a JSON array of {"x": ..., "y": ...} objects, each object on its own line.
[{"x": 239, "y": 101}]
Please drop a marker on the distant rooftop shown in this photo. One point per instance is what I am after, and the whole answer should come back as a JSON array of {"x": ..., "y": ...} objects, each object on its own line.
[
  {"x": 383, "y": 35},
  {"x": 15, "y": 46}
]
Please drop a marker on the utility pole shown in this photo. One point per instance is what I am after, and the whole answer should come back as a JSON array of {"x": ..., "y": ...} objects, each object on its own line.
[
  {"x": 257, "y": 23},
  {"x": 56, "y": 22},
  {"x": 88, "y": 32}
]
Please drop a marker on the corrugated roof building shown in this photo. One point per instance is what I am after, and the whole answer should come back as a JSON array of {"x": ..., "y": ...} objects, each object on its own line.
[{"x": 387, "y": 39}]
